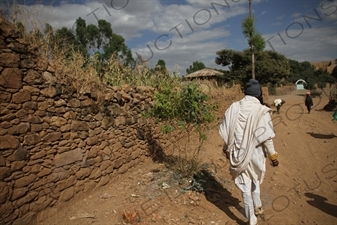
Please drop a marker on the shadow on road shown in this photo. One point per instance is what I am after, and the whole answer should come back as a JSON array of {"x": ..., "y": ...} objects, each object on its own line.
[
  {"x": 320, "y": 203},
  {"x": 204, "y": 181},
  {"x": 219, "y": 196},
  {"x": 322, "y": 136}
]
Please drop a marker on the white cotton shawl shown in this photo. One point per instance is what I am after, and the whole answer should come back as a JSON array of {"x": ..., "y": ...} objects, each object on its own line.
[{"x": 256, "y": 131}]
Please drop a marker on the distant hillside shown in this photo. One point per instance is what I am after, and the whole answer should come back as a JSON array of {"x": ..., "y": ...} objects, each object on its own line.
[{"x": 325, "y": 65}]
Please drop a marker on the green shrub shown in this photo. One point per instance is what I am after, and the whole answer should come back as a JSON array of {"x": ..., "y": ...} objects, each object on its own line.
[
  {"x": 188, "y": 108},
  {"x": 186, "y": 103}
]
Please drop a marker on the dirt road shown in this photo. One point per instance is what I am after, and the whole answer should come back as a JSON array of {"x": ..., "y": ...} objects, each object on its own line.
[{"x": 301, "y": 190}]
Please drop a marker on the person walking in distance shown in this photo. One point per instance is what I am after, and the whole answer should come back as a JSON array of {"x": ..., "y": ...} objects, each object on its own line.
[
  {"x": 248, "y": 133},
  {"x": 278, "y": 103},
  {"x": 308, "y": 101}
]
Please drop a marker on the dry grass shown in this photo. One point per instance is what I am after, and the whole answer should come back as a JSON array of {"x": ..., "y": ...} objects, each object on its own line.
[
  {"x": 188, "y": 150},
  {"x": 225, "y": 96},
  {"x": 71, "y": 63}
]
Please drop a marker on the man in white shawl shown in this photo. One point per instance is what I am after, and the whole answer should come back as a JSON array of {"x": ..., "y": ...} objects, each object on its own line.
[{"x": 247, "y": 131}]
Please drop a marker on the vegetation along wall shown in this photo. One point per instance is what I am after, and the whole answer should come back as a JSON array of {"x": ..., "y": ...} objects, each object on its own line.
[{"x": 55, "y": 141}]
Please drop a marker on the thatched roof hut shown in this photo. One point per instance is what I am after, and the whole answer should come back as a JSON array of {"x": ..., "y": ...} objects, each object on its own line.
[{"x": 203, "y": 74}]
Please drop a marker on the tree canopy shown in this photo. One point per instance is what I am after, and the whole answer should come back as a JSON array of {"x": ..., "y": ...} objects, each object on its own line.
[
  {"x": 195, "y": 67},
  {"x": 101, "y": 40},
  {"x": 255, "y": 40},
  {"x": 271, "y": 67},
  {"x": 161, "y": 65},
  {"x": 306, "y": 71},
  {"x": 90, "y": 40}
]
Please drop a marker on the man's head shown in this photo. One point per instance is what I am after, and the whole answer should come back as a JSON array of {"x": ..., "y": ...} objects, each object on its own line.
[
  {"x": 253, "y": 88},
  {"x": 308, "y": 93}
]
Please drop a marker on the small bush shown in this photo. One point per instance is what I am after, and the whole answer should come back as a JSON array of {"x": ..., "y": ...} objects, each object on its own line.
[
  {"x": 185, "y": 103},
  {"x": 188, "y": 108}
]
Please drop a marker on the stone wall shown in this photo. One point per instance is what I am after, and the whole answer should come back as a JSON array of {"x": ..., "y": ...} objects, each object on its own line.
[{"x": 56, "y": 142}]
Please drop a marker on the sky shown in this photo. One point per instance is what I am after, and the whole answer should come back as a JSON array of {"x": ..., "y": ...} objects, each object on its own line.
[{"x": 184, "y": 31}]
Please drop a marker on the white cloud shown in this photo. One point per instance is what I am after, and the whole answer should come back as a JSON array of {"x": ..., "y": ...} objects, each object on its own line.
[
  {"x": 139, "y": 7},
  {"x": 127, "y": 22},
  {"x": 136, "y": 16},
  {"x": 198, "y": 17},
  {"x": 197, "y": 46},
  {"x": 190, "y": 41},
  {"x": 328, "y": 9},
  {"x": 203, "y": 3},
  {"x": 196, "y": 40},
  {"x": 312, "y": 44},
  {"x": 231, "y": 3},
  {"x": 184, "y": 55},
  {"x": 296, "y": 15}
]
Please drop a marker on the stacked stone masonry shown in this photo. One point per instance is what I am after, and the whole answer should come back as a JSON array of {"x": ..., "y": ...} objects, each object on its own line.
[{"x": 55, "y": 142}]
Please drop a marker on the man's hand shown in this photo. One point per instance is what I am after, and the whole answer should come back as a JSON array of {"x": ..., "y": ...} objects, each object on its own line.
[
  {"x": 273, "y": 159},
  {"x": 275, "y": 162}
]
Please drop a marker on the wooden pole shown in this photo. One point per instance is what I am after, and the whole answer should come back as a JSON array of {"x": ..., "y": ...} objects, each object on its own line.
[{"x": 252, "y": 44}]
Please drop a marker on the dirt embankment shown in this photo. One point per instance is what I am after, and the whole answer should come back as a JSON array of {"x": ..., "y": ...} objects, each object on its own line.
[{"x": 325, "y": 65}]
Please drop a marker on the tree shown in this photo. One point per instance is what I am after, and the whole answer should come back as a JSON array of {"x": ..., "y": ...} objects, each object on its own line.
[
  {"x": 65, "y": 40},
  {"x": 100, "y": 40},
  {"x": 234, "y": 60},
  {"x": 271, "y": 67},
  {"x": 306, "y": 71},
  {"x": 81, "y": 35},
  {"x": 186, "y": 107},
  {"x": 161, "y": 65},
  {"x": 322, "y": 77},
  {"x": 105, "y": 32},
  {"x": 255, "y": 40},
  {"x": 93, "y": 38},
  {"x": 195, "y": 67}
]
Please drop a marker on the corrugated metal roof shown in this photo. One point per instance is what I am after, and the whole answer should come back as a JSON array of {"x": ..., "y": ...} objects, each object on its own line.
[{"x": 204, "y": 73}]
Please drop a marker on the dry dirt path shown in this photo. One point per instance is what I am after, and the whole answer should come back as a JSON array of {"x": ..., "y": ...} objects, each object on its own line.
[{"x": 301, "y": 190}]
